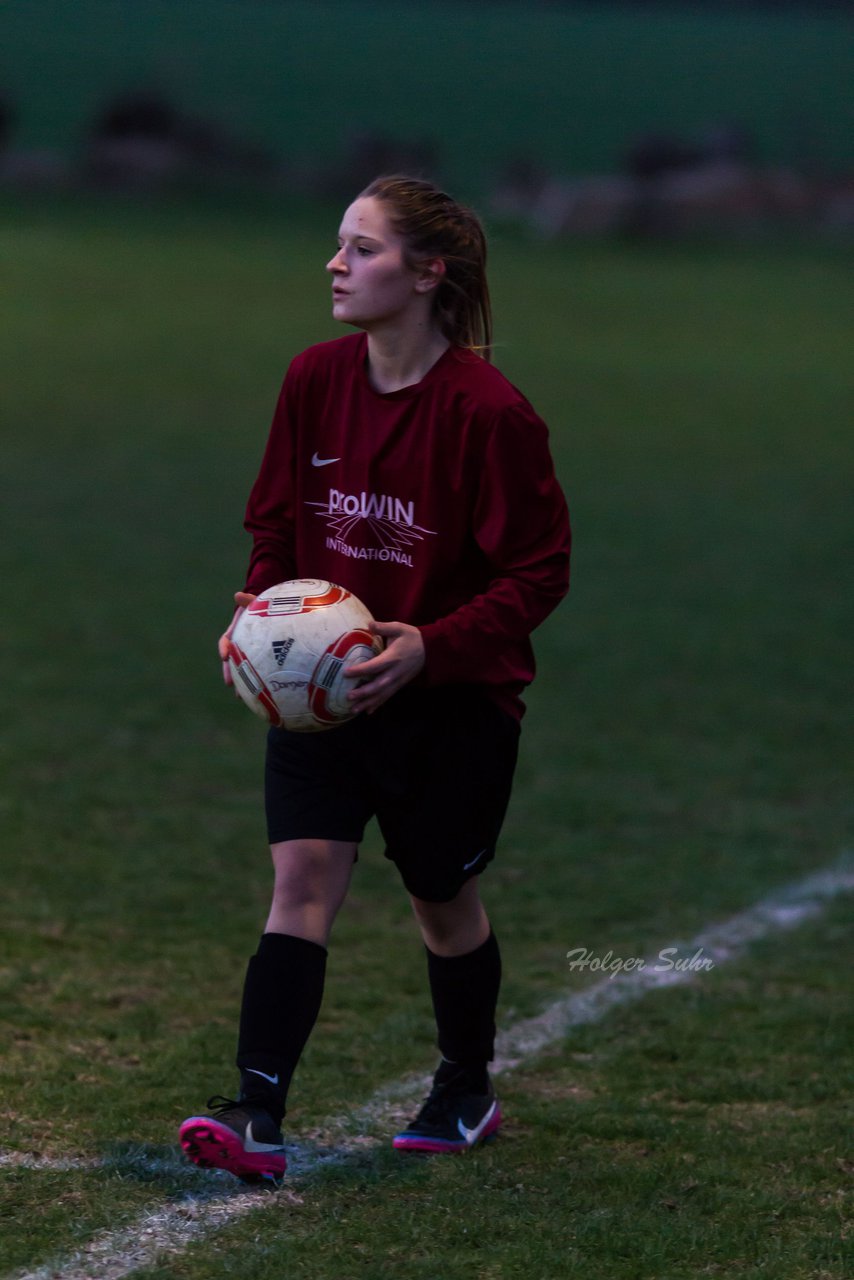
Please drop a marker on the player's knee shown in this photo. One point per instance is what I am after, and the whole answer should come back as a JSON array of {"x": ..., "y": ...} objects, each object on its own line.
[
  {"x": 298, "y": 887},
  {"x": 304, "y": 875},
  {"x": 456, "y": 926}
]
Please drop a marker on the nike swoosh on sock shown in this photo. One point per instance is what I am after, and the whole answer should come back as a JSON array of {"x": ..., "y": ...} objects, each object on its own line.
[{"x": 273, "y": 1079}]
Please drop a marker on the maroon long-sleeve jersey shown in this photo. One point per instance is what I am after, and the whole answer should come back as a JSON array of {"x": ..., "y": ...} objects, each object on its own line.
[{"x": 436, "y": 504}]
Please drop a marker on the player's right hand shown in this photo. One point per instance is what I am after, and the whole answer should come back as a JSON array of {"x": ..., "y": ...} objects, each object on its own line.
[{"x": 242, "y": 599}]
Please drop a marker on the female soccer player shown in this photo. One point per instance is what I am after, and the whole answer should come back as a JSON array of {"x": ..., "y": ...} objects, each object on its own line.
[{"x": 402, "y": 465}]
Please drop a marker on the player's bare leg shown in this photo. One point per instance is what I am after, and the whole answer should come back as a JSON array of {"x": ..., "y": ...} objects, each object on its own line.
[
  {"x": 311, "y": 879},
  {"x": 453, "y": 928}
]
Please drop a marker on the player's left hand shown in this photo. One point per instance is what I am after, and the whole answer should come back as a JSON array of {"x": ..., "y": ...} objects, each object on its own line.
[{"x": 400, "y": 661}]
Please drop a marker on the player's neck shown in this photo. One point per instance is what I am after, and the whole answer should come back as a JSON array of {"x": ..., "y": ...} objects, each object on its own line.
[{"x": 401, "y": 357}]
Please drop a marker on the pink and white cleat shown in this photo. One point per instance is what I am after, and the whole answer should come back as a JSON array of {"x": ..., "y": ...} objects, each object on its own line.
[{"x": 240, "y": 1137}]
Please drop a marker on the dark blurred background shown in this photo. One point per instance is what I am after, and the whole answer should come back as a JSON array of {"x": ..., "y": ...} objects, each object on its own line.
[{"x": 635, "y": 118}]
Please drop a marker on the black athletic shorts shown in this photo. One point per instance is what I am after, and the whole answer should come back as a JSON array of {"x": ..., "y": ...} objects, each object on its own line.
[{"x": 435, "y": 766}]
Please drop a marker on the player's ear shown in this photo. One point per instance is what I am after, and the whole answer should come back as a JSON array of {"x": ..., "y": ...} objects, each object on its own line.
[{"x": 430, "y": 275}]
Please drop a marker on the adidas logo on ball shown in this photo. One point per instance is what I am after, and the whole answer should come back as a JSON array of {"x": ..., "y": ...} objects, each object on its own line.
[{"x": 281, "y": 649}]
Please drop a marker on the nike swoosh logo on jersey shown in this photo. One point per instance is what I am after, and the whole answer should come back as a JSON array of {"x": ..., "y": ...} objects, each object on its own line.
[
  {"x": 472, "y": 1135},
  {"x": 273, "y": 1079},
  {"x": 253, "y": 1147},
  {"x": 322, "y": 462},
  {"x": 468, "y": 865}
]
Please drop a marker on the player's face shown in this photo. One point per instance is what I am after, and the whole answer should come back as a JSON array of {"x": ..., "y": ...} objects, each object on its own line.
[{"x": 372, "y": 285}]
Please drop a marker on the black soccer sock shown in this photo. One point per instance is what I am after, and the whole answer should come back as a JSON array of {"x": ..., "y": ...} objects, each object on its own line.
[
  {"x": 465, "y": 994},
  {"x": 281, "y": 1001}
]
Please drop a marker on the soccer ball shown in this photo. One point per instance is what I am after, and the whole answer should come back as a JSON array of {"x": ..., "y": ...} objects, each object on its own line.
[{"x": 290, "y": 650}]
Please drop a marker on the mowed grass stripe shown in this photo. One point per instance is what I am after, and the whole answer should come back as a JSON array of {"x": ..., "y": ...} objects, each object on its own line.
[{"x": 113, "y": 1255}]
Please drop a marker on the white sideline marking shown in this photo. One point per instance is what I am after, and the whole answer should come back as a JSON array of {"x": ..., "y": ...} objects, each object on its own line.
[
  {"x": 785, "y": 909},
  {"x": 113, "y": 1255}
]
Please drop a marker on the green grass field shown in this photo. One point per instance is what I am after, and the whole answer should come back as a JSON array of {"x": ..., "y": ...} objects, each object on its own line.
[
  {"x": 567, "y": 85},
  {"x": 687, "y": 751}
]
